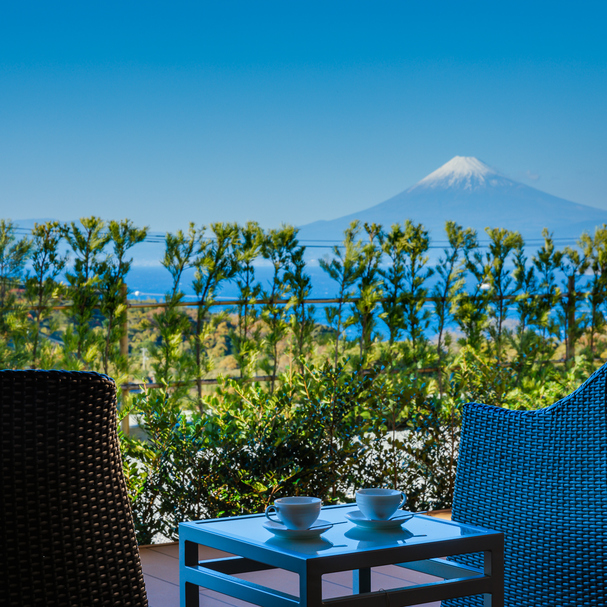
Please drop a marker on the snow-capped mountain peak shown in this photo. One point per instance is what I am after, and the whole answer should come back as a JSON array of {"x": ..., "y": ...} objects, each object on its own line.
[
  {"x": 465, "y": 172},
  {"x": 474, "y": 195}
]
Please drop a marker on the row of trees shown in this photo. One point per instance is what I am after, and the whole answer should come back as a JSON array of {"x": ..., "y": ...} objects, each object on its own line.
[
  {"x": 345, "y": 400},
  {"x": 88, "y": 282},
  {"x": 389, "y": 299}
]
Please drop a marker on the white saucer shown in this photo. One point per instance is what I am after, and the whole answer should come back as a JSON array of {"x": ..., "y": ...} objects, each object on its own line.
[
  {"x": 360, "y": 520},
  {"x": 279, "y": 530}
]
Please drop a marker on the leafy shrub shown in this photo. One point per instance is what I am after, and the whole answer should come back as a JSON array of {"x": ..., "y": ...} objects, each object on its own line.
[{"x": 324, "y": 431}]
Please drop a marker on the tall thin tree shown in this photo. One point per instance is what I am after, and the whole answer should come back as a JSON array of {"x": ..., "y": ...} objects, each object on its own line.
[
  {"x": 214, "y": 264},
  {"x": 87, "y": 241},
  {"x": 278, "y": 247},
  {"x": 451, "y": 271},
  {"x": 245, "y": 339},
  {"x": 14, "y": 253},
  {"x": 113, "y": 288},
  {"x": 345, "y": 269},
  {"x": 42, "y": 287}
]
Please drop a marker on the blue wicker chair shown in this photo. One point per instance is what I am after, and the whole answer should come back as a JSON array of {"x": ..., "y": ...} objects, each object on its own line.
[
  {"x": 541, "y": 478},
  {"x": 66, "y": 530}
]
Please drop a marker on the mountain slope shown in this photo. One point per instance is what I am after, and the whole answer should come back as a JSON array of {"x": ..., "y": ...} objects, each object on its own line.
[{"x": 473, "y": 194}]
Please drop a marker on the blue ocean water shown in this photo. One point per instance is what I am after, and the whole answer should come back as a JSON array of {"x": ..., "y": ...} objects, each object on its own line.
[{"x": 154, "y": 281}]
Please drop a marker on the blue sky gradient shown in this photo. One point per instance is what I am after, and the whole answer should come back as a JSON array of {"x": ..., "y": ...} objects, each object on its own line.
[{"x": 290, "y": 111}]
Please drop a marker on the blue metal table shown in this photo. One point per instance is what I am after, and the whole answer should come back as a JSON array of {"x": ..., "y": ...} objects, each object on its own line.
[{"x": 421, "y": 545}]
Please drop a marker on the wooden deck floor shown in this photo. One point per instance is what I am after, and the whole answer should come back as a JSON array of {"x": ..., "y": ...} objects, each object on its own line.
[{"x": 161, "y": 572}]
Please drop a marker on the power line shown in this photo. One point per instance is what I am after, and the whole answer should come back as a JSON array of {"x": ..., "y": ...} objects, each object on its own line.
[{"x": 327, "y": 243}]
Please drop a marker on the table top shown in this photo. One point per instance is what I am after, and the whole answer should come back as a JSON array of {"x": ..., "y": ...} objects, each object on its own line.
[{"x": 342, "y": 538}]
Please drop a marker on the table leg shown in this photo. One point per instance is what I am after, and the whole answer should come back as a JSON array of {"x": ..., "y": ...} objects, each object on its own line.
[
  {"x": 310, "y": 590},
  {"x": 361, "y": 580},
  {"x": 494, "y": 566},
  {"x": 190, "y": 593}
]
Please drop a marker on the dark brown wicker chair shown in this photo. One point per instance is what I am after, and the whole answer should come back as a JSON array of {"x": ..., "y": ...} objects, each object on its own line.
[{"x": 67, "y": 534}]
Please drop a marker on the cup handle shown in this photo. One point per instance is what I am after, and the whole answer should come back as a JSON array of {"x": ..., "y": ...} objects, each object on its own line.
[
  {"x": 402, "y": 501},
  {"x": 268, "y": 512}
]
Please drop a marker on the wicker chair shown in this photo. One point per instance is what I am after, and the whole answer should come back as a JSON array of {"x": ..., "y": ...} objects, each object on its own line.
[
  {"x": 541, "y": 478},
  {"x": 67, "y": 533}
]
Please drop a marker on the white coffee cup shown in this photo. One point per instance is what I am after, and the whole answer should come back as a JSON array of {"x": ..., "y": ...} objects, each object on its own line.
[
  {"x": 379, "y": 504},
  {"x": 295, "y": 512}
]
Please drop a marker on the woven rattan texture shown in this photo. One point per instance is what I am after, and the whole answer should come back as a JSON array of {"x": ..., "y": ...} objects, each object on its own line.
[
  {"x": 541, "y": 478},
  {"x": 67, "y": 532}
]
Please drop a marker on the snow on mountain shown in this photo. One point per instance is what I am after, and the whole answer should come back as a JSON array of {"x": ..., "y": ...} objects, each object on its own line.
[
  {"x": 464, "y": 172},
  {"x": 474, "y": 195}
]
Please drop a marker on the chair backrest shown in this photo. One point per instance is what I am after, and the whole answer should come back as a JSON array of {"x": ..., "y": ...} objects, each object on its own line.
[
  {"x": 541, "y": 478},
  {"x": 67, "y": 533}
]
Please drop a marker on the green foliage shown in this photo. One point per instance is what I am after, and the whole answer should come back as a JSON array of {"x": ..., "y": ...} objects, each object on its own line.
[
  {"x": 325, "y": 431},
  {"x": 171, "y": 361},
  {"x": 246, "y": 338},
  {"x": 81, "y": 341},
  {"x": 482, "y": 378},
  {"x": 324, "y": 424},
  {"x": 167, "y": 467},
  {"x": 302, "y": 320},
  {"x": 573, "y": 265},
  {"x": 278, "y": 247},
  {"x": 42, "y": 289},
  {"x": 502, "y": 285},
  {"x": 330, "y": 400},
  {"x": 215, "y": 263},
  {"x": 13, "y": 256},
  {"x": 594, "y": 249},
  {"x": 411, "y": 442},
  {"x": 470, "y": 306},
  {"x": 545, "y": 262},
  {"x": 345, "y": 269},
  {"x": 113, "y": 290},
  {"x": 416, "y": 317},
  {"x": 393, "y": 246},
  {"x": 450, "y": 282},
  {"x": 369, "y": 291}
]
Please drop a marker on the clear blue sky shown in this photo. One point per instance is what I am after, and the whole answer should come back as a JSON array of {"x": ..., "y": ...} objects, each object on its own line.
[{"x": 290, "y": 111}]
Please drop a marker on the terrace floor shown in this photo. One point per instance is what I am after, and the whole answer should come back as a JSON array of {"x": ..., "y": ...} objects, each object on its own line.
[{"x": 161, "y": 573}]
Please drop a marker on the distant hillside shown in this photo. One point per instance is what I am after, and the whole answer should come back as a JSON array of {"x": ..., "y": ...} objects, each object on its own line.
[
  {"x": 473, "y": 194},
  {"x": 464, "y": 190}
]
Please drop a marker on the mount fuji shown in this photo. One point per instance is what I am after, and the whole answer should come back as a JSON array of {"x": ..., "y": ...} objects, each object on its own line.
[{"x": 474, "y": 195}]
